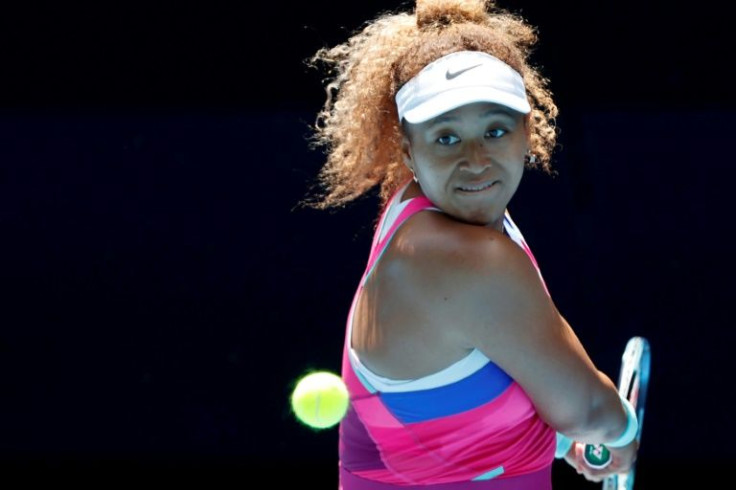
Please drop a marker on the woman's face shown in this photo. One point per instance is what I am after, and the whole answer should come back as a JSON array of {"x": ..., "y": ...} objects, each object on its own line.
[{"x": 469, "y": 161}]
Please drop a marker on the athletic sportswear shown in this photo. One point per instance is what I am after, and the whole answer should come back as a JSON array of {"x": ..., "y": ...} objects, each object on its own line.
[{"x": 468, "y": 426}]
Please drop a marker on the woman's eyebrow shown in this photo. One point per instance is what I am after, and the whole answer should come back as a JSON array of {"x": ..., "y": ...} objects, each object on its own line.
[{"x": 491, "y": 112}]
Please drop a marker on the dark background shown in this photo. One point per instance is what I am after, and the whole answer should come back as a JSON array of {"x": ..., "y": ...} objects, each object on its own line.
[{"x": 162, "y": 291}]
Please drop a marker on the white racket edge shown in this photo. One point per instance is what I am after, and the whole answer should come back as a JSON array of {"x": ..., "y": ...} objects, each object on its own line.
[{"x": 633, "y": 384}]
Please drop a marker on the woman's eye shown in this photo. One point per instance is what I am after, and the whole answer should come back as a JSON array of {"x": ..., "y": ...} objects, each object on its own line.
[
  {"x": 448, "y": 139},
  {"x": 495, "y": 133}
]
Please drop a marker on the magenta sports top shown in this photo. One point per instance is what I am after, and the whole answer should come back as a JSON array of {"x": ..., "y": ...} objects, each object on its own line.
[{"x": 469, "y": 426}]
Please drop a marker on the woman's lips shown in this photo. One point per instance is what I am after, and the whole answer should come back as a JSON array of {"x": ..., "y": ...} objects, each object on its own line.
[{"x": 477, "y": 187}]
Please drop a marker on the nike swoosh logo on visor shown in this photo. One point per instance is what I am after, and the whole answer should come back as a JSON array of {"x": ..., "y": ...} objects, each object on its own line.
[{"x": 450, "y": 75}]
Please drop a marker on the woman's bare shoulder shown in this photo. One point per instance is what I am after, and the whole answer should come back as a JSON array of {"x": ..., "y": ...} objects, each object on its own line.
[
  {"x": 442, "y": 243},
  {"x": 468, "y": 275}
]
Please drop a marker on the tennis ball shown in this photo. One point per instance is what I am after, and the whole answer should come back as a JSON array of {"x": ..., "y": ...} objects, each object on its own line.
[{"x": 320, "y": 399}]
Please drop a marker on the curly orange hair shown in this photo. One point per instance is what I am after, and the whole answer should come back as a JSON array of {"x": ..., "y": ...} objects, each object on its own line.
[{"x": 358, "y": 125}]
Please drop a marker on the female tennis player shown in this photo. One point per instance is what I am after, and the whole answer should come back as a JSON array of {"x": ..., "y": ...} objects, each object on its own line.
[{"x": 462, "y": 372}]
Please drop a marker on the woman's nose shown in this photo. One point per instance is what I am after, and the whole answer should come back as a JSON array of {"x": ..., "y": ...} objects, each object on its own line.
[{"x": 477, "y": 156}]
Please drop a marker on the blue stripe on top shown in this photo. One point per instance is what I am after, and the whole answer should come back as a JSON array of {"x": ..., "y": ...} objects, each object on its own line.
[{"x": 473, "y": 391}]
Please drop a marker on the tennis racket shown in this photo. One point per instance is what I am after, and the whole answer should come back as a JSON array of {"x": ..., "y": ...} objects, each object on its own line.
[{"x": 632, "y": 384}]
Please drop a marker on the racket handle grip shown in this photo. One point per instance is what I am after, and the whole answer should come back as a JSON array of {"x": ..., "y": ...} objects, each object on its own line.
[{"x": 597, "y": 455}]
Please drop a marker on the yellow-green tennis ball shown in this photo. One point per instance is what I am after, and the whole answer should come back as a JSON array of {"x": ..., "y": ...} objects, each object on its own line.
[{"x": 320, "y": 399}]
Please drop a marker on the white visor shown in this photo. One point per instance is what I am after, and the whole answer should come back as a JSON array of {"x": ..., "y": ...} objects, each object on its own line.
[{"x": 457, "y": 79}]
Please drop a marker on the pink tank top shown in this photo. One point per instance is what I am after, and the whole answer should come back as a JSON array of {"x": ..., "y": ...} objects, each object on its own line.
[{"x": 477, "y": 431}]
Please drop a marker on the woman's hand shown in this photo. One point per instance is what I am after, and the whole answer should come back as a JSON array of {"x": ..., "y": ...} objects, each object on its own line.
[{"x": 622, "y": 459}]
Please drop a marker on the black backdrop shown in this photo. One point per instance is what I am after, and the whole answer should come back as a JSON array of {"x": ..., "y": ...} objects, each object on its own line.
[{"x": 162, "y": 291}]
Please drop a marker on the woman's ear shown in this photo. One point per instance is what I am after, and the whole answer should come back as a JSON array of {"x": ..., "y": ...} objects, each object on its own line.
[
  {"x": 407, "y": 156},
  {"x": 406, "y": 153},
  {"x": 528, "y": 130}
]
